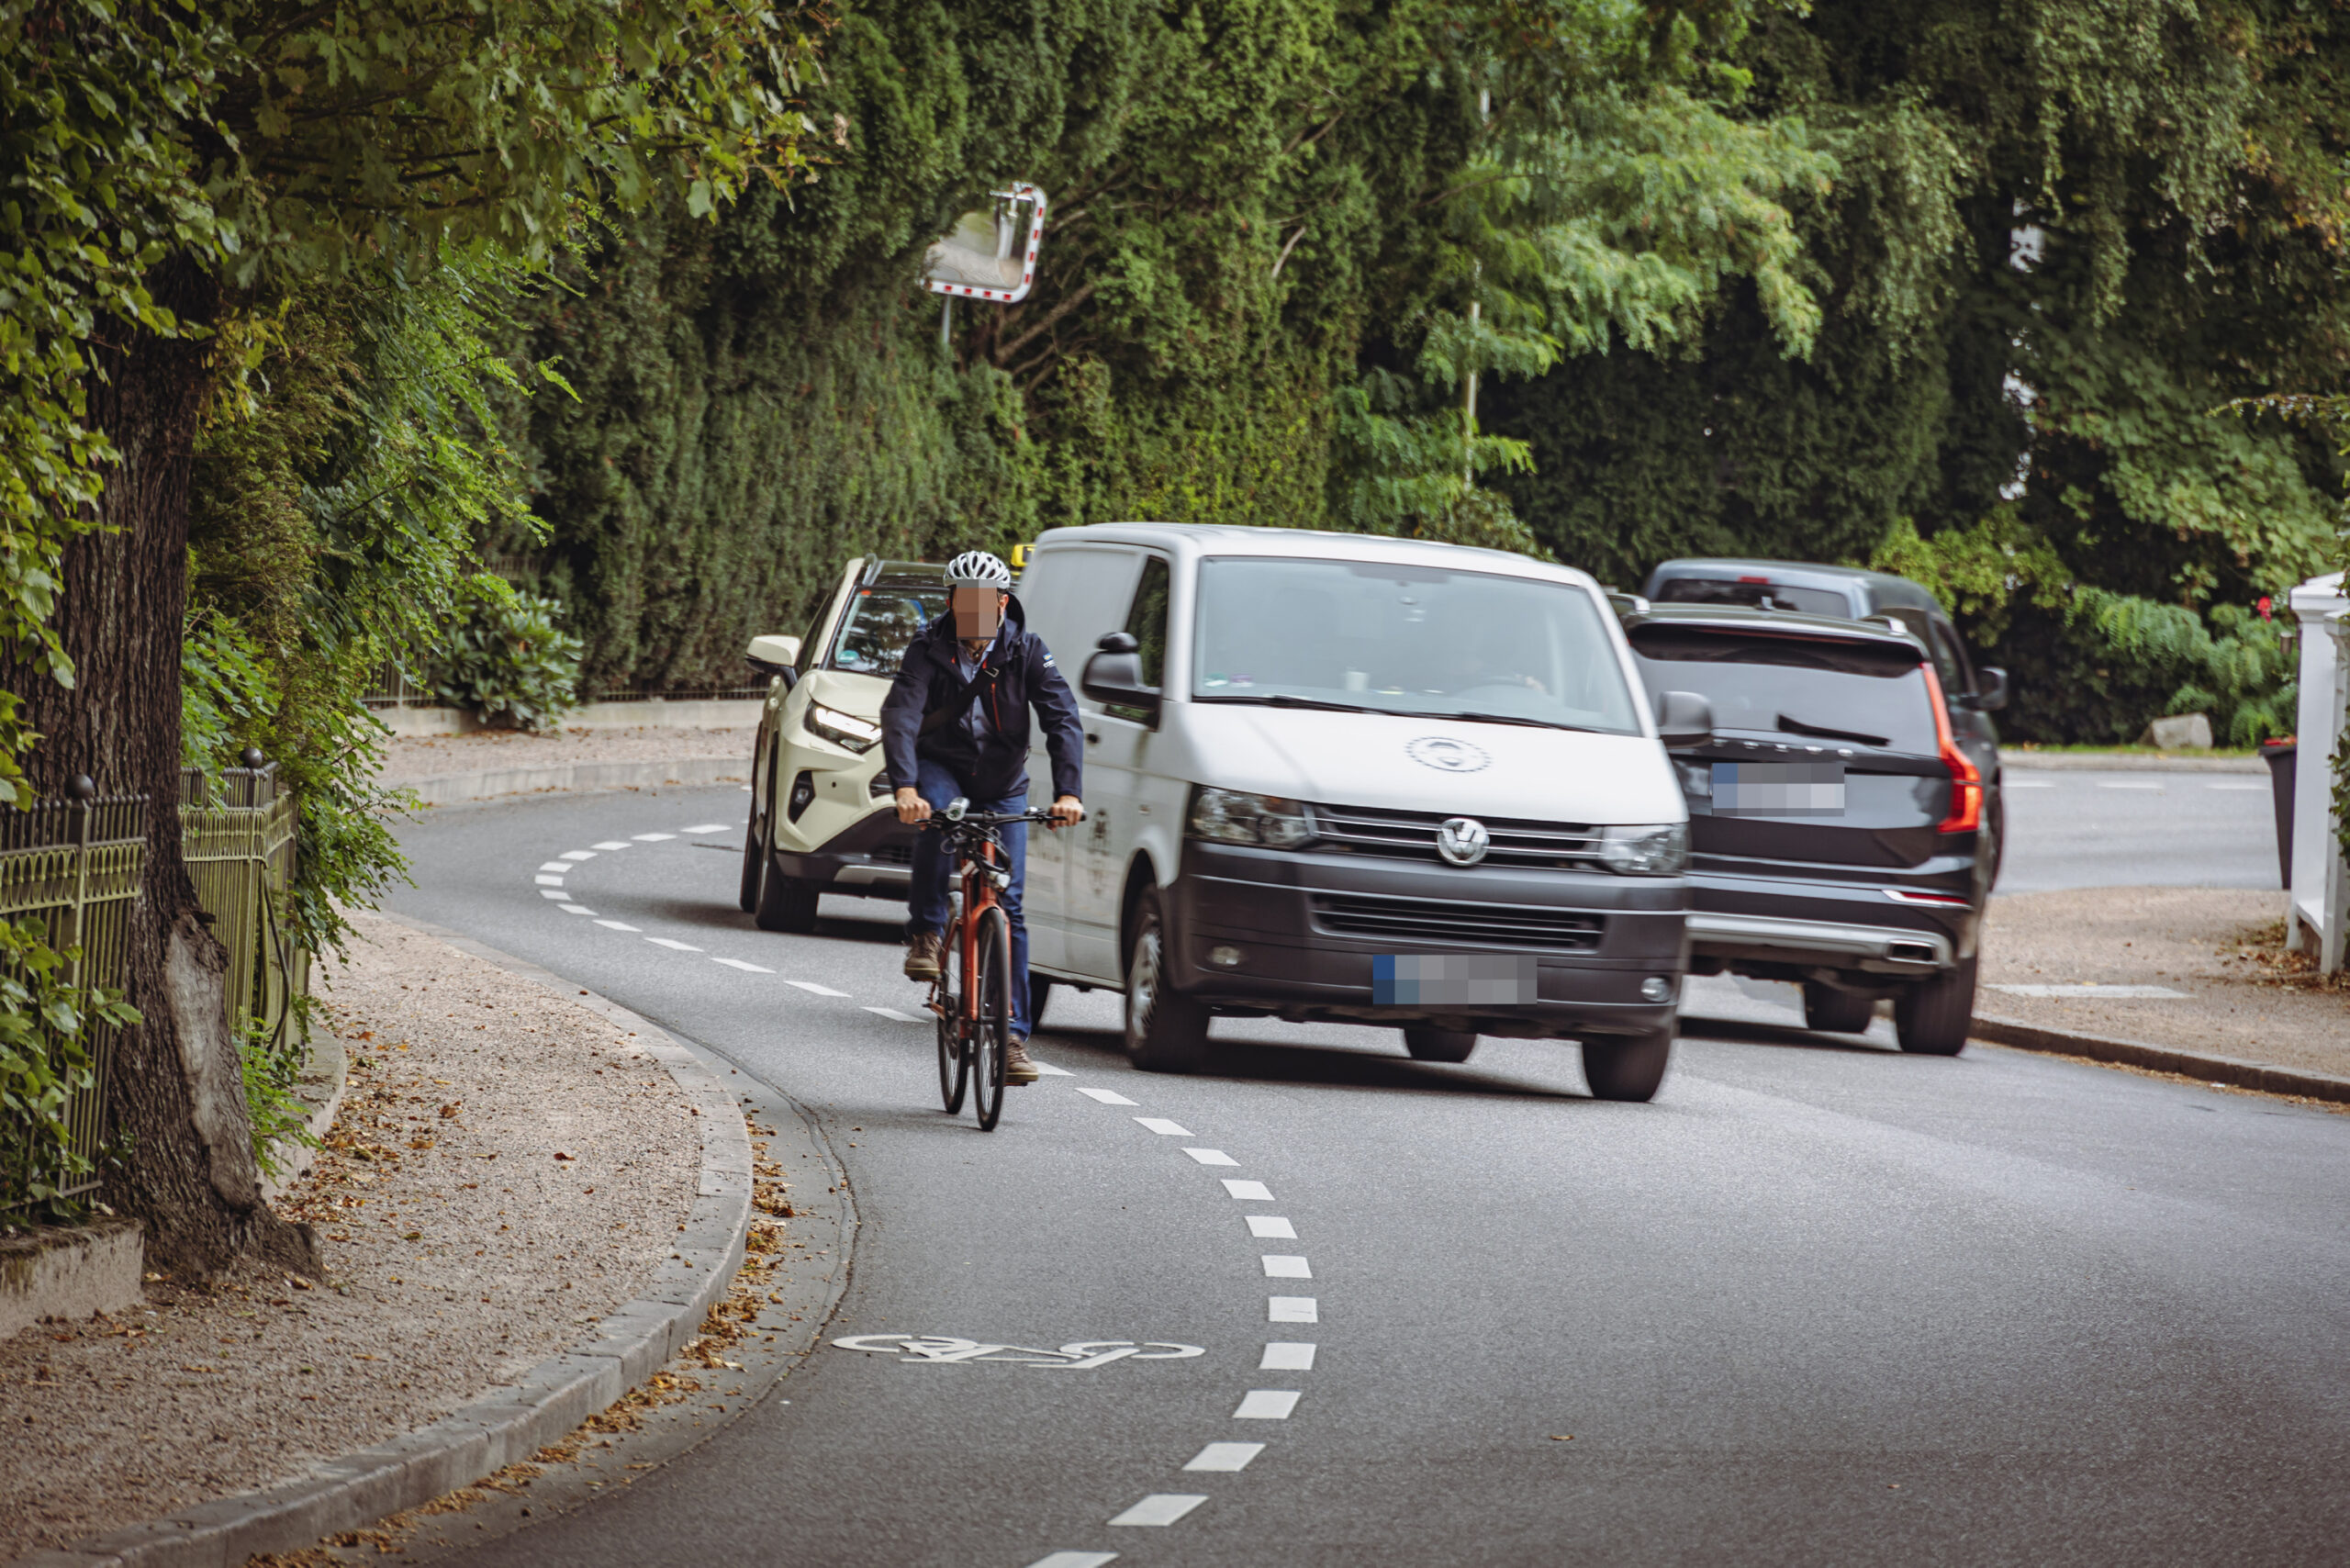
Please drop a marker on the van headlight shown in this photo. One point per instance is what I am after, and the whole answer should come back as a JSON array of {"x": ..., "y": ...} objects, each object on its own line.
[
  {"x": 1646, "y": 851},
  {"x": 842, "y": 729},
  {"x": 1230, "y": 816}
]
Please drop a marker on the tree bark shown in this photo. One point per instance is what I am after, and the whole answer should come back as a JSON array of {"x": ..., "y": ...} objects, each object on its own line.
[{"x": 175, "y": 1093}]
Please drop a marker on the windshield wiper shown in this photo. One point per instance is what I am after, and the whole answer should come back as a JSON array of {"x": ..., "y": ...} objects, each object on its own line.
[
  {"x": 1797, "y": 727},
  {"x": 1283, "y": 699},
  {"x": 1491, "y": 718}
]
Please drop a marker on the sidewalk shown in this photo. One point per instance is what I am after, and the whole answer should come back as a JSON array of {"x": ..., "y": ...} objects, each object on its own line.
[
  {"x": 506, "y": 1168},
  {"x": 2212, "y": 949}
]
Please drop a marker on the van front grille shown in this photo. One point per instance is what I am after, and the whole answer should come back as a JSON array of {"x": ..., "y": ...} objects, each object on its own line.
[
  {"x": 1475, "y": 925},
  {"x": 1411, "y": 835}
]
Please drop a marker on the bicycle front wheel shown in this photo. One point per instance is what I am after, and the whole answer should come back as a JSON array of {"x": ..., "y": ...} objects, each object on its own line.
[
  {"x": 954, "y": 1062},
  {"x": 993, "y": 978}
]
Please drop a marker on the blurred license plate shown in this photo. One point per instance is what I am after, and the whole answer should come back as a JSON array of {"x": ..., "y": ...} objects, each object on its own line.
[
  {"x": 1778, "y": 789},
  {"x": 1452, "y": 979}
]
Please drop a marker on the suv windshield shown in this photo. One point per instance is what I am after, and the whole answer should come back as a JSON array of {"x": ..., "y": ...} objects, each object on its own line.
[
  {"x": 1872, "y": 694},
  {"x": 882, "y": 621},
  {"x": 1385, "y": 638}
]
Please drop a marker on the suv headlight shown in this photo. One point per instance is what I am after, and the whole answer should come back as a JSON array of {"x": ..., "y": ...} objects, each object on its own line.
[
  {"x": 1646, "y": 851},
  {"x": 1229, "y": 816},
  {"x": 842, "y": 729}
]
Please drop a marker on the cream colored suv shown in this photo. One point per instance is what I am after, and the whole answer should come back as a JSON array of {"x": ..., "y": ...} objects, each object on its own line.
[{"x": 820, "y": 815}]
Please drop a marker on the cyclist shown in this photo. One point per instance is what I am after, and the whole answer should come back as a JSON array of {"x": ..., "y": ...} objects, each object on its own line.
[{"x": 956, "y": 722}]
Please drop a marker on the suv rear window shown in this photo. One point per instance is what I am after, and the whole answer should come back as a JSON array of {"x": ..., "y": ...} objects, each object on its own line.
[
  {"x": 1819, "y": 689},
  {"x": 1759, "y": 593},
  {"x": 881, "y": 623}
]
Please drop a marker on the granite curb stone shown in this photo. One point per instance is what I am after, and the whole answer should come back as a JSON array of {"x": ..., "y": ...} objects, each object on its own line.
[
  {"x": 2232, "y": 1071},
  {"x": 509, "y": 1423},
  {"x": 449, "y": 789}
]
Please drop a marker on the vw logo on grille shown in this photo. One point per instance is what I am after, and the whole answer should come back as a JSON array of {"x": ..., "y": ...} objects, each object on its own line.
[{"x": 1462, "y": 840}]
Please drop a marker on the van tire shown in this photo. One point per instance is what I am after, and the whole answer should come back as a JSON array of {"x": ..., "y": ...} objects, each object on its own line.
[
  {"x": 1427, "y": 1044},
  {"x": 787, "y": 903},
  {"x": 1040, "y": 991},
  {"x": 1628, "y": 1069},
  {"x": 1165, "y": 1032},
  {"x": 1932, "y": 1017},
  {"x": 1833, "y": 1012}
]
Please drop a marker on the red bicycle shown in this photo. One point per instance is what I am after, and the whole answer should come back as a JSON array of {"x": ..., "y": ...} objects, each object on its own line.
[{"x": 972, "y": 995}]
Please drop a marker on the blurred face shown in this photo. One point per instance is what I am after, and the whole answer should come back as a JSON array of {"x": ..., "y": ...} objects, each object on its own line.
[{"x": 979, "y": 610}]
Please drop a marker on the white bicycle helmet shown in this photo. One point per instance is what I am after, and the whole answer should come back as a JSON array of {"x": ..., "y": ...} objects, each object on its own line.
[{"x": 978, "y": 566}]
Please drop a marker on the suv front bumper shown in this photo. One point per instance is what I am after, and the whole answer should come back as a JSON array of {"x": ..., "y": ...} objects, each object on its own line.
[
  {"x": 873, "y": 857},
  {"x": 1291, "y": 925}
]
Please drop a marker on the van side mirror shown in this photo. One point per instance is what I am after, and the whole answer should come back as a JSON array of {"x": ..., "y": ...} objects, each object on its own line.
[
  {"x": 1113, "y": 677},
  {"x": 774, "y": 655},
  {"x": 1990, "y": 690},
  {"x": 1684, "y": 719}
]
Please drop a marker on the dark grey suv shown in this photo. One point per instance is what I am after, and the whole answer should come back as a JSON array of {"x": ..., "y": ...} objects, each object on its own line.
[{"x": 1840, "y": 834}]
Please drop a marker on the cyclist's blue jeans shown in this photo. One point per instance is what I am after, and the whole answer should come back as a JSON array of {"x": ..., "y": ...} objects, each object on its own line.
[{"x": 926, "y": 904}]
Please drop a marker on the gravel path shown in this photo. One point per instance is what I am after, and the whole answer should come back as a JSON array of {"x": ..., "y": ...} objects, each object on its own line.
[
  {"x": 2213, "y": 944},
  {"x": 506, "y": 1168},
  {"x": 407, "y": 758}
]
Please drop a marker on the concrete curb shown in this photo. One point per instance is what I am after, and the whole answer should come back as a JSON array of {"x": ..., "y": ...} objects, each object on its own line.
[
  {"x": 330, "y": 1060},
  {"x": 2264, "y": 1076},
  {"x": 449, "y": 789},
  {"x": 652, "y": 712},
  {"x": 508, "y": 1424}
]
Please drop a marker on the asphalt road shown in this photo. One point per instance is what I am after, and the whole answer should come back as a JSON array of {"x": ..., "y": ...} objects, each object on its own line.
[
  {"x": 2069, "y": 829},
  {"x": 1819, "y": 1303}
]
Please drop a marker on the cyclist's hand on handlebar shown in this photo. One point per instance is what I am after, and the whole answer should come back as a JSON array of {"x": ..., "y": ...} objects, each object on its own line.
[
  {"x": 1067, "y": 810},
  {"x": 911, "y": 807}
]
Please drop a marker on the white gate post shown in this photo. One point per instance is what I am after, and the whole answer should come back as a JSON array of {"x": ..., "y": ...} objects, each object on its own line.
[{"x": 2315, "y": 901}]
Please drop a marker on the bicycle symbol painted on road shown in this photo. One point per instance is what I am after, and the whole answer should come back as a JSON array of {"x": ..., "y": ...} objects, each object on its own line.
[{"x": 1083, "y": 1355}]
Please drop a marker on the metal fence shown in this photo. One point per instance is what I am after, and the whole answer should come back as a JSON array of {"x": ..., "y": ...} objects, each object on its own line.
[{"x": 77, "y": 866}]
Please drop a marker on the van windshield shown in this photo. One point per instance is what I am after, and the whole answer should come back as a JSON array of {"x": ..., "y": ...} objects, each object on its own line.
[
  {"x": 882, "y": 622},
  {"x": 1872, "y": 694},
  {"x": 1385, "y": 638}
]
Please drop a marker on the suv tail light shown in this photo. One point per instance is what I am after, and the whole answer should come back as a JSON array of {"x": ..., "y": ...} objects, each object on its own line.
[{"x": 1965, "y": 780}]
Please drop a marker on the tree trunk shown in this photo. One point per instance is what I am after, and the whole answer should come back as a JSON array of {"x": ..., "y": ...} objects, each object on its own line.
[{"x": 176, "y": 1091}]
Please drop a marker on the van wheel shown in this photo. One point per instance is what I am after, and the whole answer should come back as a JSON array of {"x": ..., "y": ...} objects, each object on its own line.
[
  {"x": 1628, "y": 1069},
  {"x": 1931, "y": 1018},
  {"x": 1165, "y": 1032},
  {"x": 1439, "y": 1045},
  {"x": 1833, "y": 1012},
  {"x": 787, "y": 903},
  {"x": 1040, "y": 991}
]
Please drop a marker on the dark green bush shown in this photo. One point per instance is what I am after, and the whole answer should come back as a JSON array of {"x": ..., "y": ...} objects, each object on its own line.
[{"x": 506, "y": 661}]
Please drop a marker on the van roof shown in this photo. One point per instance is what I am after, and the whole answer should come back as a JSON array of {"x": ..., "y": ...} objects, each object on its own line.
[
  {"x": 1883, "y": 588},
  {"x": 1195, "y": 539}
]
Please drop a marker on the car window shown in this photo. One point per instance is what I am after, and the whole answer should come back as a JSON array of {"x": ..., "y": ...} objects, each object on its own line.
[
  {"x": 881, "y": 623},
  {"x": 1816, "y": 689},
  {"x": 1429, "y": 640},
  {"x": 1920, "y": 624},
  {"x": 1071, "y": 596},
  {"x": 1146, "y": 619},
  {"x": 1760, "y": 592}
]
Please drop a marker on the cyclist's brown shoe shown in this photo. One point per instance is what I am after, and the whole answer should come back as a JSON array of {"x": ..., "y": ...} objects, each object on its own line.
[
  {"x": 921, "y": 957},
  {"x": 1017, "y": 1068}
]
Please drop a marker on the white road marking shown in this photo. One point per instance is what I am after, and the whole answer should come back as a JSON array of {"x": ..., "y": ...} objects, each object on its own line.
[
  {"x": 1166, "y": 1128},
  {"x": 738, "y": 964},
  {"x": 555, "y": 893},
  {"x": 559, "y": 866},
  {"x": 579, "y": 855},
  {"x": 1048, "y": 1069},
  {"x": 615, "y": 925},
  {"x": 1225, "y": 1456},
  {"x": 1161, "y": 1508},
  {"x": 1284, "y": 1266},
  {"x": 1249, "y": 1192},
  {"x": 575, "y": 909},
  {"x": 1291, "y": 1310},
  {"x": 614, "y": 844},
  {"x": 1211, "y": 1156},
  {"x": 652, "y": 837},
  {"x": 2239, "y": 786},
  {"x": 1067, "y": 1559},
  {"x": 892, "y": 1012},
  {"x": 707, "y": 827},
  {"x": 1273, "y": 1227},
  {"x": 2126, "y": 784},
  {"x": 2116, "y": 992},
  {"x": 546, "y": 881},
  {"x": 818, "y": 989},
  {"x": 1287, "y": 1355},
  {"x": 674, "y": 946},
  {"x": 1105, "y": 1096},
  {"x": 1267, "y": 1404}
]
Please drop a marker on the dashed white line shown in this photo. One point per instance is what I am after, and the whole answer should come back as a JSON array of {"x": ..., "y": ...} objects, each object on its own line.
[
  {"x": 577, "y": 855},
  {"x": 2239, "y": 786},
  {"x": 673, "y": 945},
  {"x": 575, "y": 909},
  {"x": 1166, "y": 1128},
  {"x": 1285, "y": 1266},
  {"x": 1287, "y": 1355},
  {"x": 1267, "y": 1404},
  {"x": 559, "y": 866},
  {"x": 652, "y": 837},
  {"x": 615, "y": 925},
  {"x": 1161, "y": 1508},
  {"x": 1048, "y": 1070},
  {"x": 1249, "y": 1192},
  {"x": 1067, "y": 1559},
  {"x": 1272, "y": 1228},
  {"x": 2125, "y": 784},
  {"x": 892, "y": 1012},
  {"x": 813, "y": 988},
  {"x": 1225, "y": 1456},
  {"x": 1105, "y": 1096},
  {"x": 614, "y": 844},
  {"x": 738, "y": 964},
  {"x": 707, "y": 827},
  {"x": 546, "y": 882},
  {"x": 1292, "y": 1309},
  {"x": 555, "y": 893},
  {"x": 1211, "y": 1156}
]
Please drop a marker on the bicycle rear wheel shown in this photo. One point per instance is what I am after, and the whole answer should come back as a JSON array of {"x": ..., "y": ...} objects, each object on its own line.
[
  {"x": 994, "y": 1025},
  {"x": 954, "y": 1062}
]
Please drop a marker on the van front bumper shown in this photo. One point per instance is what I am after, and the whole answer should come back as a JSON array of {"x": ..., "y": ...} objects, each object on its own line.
[{"x": 1296, "y": 934}]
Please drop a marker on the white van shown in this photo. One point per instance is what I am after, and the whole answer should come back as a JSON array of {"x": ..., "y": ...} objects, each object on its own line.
[{"x": 1336, "y": 777}]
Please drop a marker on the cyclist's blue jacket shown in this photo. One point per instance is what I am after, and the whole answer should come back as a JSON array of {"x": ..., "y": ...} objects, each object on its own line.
[{"x": 922, "y": 715}]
